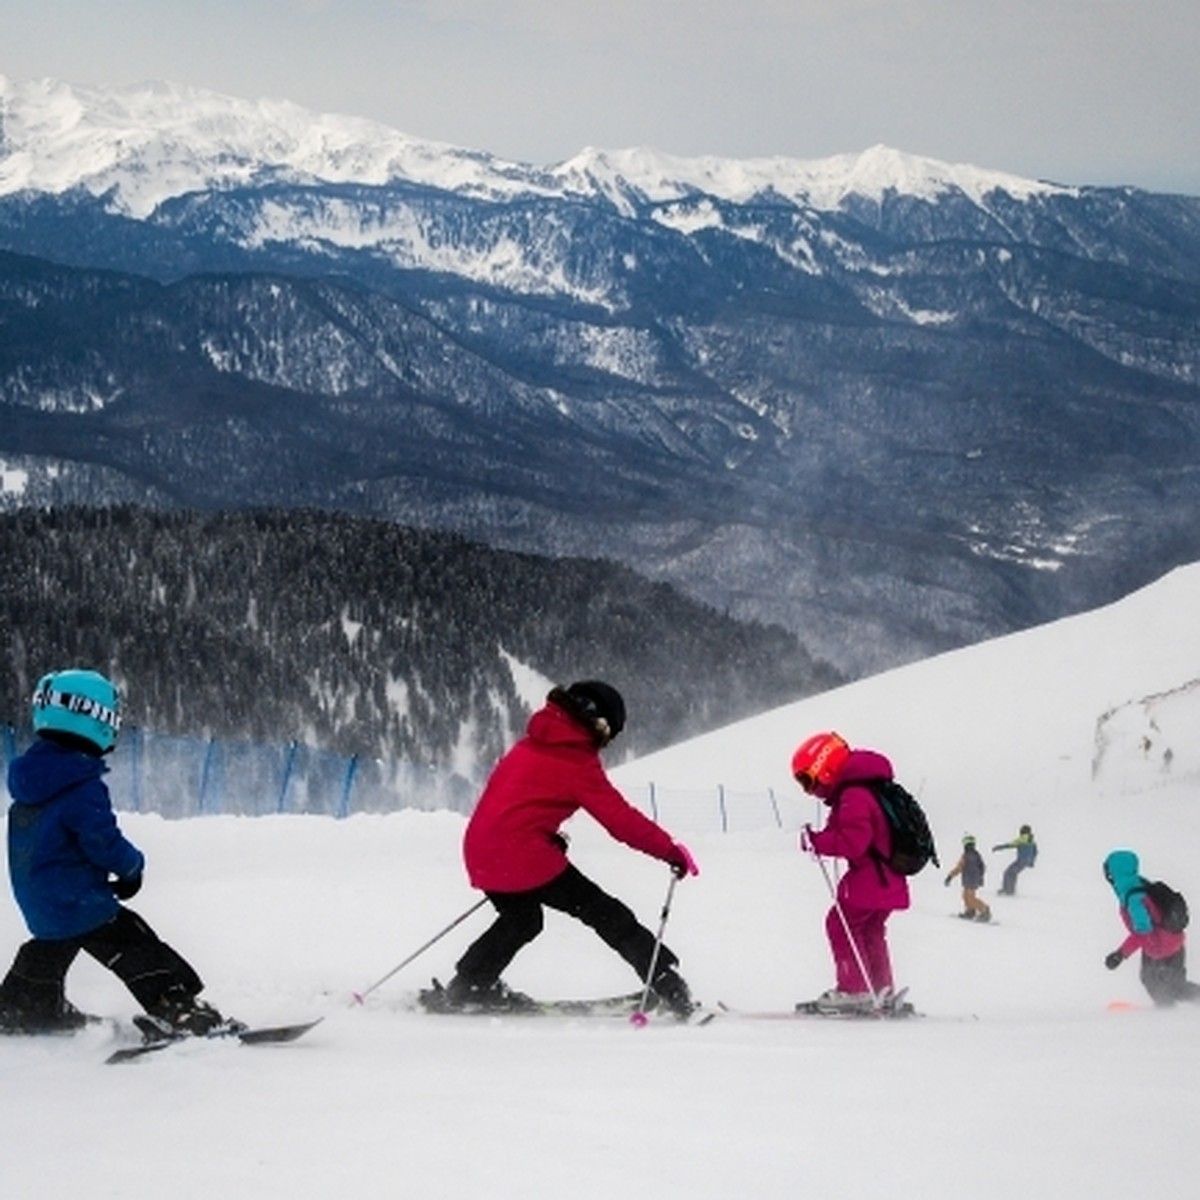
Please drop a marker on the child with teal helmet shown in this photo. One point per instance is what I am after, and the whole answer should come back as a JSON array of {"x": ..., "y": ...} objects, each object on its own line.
[{"x": 71, "y": 867}]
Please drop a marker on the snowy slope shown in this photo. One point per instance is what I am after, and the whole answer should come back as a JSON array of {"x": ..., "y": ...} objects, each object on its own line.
[
  {"x": 1022, "y": 1078},
  {"x": 151, "y": 141}
]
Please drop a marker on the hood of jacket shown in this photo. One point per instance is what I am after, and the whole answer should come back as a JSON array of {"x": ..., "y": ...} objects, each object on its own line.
[
  {"x": 47, "y": 770},
  {"x": 861, "y": 766},
  {"x": 554, "y": 726},
  {"x": 1121, "y": 869}
]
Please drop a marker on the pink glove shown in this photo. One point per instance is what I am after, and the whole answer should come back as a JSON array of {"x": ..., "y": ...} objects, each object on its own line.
[{"x": 682, "y": 862}]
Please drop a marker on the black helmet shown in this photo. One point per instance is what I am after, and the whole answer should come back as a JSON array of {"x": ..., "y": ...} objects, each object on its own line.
[{"x": 595, "y": 704}]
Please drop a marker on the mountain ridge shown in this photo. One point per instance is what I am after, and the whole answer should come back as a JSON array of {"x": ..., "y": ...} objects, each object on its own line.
[
  {"x": 101, "y": 138},
  {"x": 908, "y": 422}
]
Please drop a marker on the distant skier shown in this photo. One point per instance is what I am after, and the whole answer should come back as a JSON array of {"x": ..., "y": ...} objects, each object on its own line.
[
  {"x": 70, "y": 867},
  {"x": 1027, "y": 850},
  {"x": 1164, "y": 967},
  {"x": 824, "y": 765},
  {"x": 971, "y": 869},
  {"x": 514, "y": 852}
]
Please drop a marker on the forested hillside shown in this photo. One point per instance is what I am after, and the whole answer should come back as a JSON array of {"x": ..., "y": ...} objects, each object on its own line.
[{"x": 361, "y": 636}]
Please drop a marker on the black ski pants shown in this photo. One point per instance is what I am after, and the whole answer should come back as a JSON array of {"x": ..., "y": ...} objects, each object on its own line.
[
  {"x": 126, "y": 945},
  {"x": 520, "y": 919},
  {"x": 1166, "y": 979}
]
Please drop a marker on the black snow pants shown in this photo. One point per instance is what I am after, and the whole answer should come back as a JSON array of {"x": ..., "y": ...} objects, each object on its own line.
[
  {"x": 126, "y": 945},
  {"x": 520, "y": 919}
]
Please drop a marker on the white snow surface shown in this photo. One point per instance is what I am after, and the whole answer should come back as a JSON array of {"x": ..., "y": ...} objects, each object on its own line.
[
  {"x": 1027, "y": 1077},
  {"x": 148, "y": 142}
]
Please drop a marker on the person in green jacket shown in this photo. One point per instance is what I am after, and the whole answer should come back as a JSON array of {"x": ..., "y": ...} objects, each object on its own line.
[{"x": 1026, "y": 849}]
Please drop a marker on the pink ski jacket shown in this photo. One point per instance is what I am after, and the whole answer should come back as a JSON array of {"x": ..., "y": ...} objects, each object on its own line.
[
  {"x": 855, "y": 827},
  {"x": 511, "y": 843}
]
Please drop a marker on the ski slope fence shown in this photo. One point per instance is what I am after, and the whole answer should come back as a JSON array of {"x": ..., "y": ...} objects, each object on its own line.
[{"x": 179, "y": 777}]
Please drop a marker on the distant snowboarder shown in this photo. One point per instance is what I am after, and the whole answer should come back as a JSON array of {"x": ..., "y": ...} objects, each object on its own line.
[
  {"x": 1164, "y": 967},
  {"x": 514, "y": 852},
  {"x": 971, "y": 869},
  {"x": 70, "y": 867},
  {"x": 1027, "y": 850}
]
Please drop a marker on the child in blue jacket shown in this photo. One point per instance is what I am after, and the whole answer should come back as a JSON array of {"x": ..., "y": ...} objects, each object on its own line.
[{"x": 70, "y": 867}]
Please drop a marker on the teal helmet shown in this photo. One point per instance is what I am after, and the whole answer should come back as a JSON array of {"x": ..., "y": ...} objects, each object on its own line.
[{"x": 83, "y": 704}]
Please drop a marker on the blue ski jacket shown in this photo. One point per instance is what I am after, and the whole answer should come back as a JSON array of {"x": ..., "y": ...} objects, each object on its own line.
[{"x": 63, "y": 842}]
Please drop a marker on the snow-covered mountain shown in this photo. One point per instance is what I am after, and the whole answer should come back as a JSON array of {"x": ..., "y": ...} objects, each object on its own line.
[
  {"x": 139, "y": 146},
  {"x": 894, "y": 404}
]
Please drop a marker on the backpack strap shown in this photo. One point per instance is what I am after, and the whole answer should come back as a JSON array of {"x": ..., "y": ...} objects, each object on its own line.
[{"x": 1152, "y": 913}]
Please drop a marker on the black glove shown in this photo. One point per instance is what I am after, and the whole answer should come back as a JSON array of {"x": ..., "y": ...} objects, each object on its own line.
[
  {"x": 127, "y": 888},
  {"x": 1114, "y": 960},
  {"x": 947, "y": 881}
]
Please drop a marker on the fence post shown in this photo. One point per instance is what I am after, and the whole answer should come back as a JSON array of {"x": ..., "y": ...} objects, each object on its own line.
[
  {"x": 10, "y": 744},
  {"x": 205, "y": 772},
  {"x": 135, "y": 768},
  {"x": 351, "y": 770},
  {"x": 281, "y": 806},
  {"x": 653, "y": 803},
  {"x": 775, "y": 808},
  {"x": 724, "y": 813}
]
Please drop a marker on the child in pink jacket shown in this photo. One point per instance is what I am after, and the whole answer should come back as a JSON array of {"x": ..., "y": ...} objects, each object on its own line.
[{"x": 869, "y": 891}]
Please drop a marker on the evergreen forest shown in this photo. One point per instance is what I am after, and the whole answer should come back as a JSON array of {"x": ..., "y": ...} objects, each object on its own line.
[{"x": 363, "y": 637}]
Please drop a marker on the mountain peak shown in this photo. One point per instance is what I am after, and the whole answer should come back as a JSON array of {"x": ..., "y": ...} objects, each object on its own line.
[
  {"x": 147, "y": 142},
  {"x": 817, "y": 183}
]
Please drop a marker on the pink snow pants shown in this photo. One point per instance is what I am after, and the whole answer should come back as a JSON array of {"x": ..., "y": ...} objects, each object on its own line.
[{"x": 869, "y": 929}]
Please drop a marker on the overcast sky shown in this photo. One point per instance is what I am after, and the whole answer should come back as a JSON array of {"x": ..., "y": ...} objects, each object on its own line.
[{"x": 1074, "y": 91}]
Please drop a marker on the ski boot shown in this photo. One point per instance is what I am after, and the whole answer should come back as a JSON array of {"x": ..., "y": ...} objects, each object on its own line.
[
  {"x": 835, "y": 1004},
  {"x": 178, "y": 1015},
  {"x": 462, "y": 996},
  {"x": 673, "y": 994},
  {"x": 64, "y": 1017}
]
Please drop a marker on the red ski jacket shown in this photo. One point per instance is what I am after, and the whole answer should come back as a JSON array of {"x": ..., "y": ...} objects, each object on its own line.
[{"x": 551, "y": 773}]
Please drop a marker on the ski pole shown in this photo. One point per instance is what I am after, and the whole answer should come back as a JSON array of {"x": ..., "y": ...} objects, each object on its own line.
[
  {"x": 858, "y": 958},
  {"x": 359, "y": 997},
  {"x": 639, "y": 1016}
]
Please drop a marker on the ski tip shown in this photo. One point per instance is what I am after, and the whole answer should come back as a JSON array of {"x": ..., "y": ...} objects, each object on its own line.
[{"x": 277, "y": 1033}]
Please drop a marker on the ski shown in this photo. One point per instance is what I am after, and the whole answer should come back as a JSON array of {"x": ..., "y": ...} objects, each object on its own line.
[
  {"x": 624, "y": 1006},
  {"x": 898, "y": 1009},
  {"x": 431, "y": 1002},
  {"x": 809, "y": 1011},
  {"x": 258, "y": 1036}
]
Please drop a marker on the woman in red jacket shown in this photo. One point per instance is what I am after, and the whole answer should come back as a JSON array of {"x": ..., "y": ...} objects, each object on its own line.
[{"x": 514, "y": 852}]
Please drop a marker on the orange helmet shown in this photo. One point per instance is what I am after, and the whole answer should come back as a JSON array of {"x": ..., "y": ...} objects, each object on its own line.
[{"x": 818, "y": 760}]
